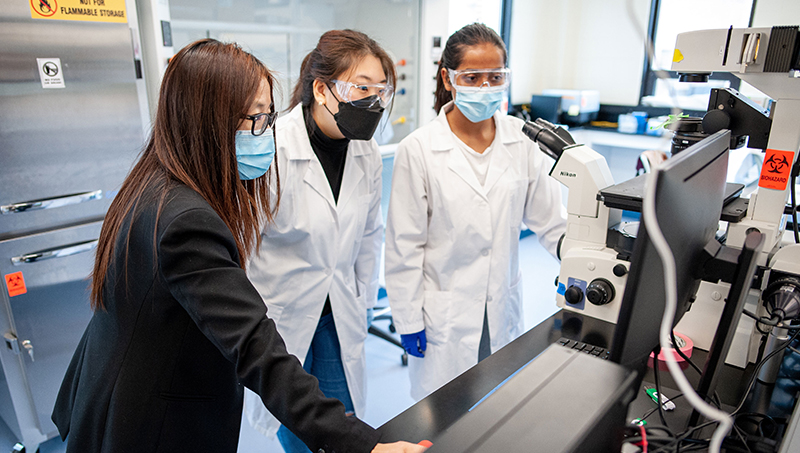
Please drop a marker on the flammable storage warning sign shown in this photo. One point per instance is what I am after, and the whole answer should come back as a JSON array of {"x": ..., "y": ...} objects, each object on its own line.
[{"x": 83, "y": 10}]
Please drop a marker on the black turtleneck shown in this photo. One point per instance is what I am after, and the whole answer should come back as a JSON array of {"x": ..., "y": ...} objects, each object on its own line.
[{"x": 332, "y": 154}]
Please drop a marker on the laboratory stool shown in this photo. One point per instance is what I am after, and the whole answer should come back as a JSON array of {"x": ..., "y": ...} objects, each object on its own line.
[{"x": 384, "y": 313}]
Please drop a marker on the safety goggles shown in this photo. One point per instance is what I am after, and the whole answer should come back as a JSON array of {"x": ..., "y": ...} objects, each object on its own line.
[
  {"x": 364, "y": 95},
  {"x": 485, "y": 80}
]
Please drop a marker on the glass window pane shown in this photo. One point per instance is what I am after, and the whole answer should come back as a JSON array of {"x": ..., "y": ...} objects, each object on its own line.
[{"x": 678, "y": 16}]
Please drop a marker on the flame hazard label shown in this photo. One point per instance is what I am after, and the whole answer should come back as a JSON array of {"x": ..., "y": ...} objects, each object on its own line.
[{"x": 83, "y": 10}]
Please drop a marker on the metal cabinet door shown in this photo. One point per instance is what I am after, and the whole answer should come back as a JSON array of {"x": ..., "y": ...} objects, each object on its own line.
[
  {"x": 64, "y": 152},
  {"x": 42, "y": 326}
]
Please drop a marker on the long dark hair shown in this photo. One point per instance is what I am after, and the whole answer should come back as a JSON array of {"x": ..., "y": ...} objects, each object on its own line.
[
  {"x": 468, "y": 36},
  {"x": 206, "y": 91},
  {"x": 337, "y": 51}
]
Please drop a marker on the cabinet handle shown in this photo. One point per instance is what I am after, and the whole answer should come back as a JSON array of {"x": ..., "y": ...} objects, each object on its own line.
[
  {"x": 55, "y": 253},
  {"x": 49, "y": 203}
]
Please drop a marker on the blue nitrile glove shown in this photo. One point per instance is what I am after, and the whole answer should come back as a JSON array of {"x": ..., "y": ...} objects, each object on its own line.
[{"x": 415, "y": 343}]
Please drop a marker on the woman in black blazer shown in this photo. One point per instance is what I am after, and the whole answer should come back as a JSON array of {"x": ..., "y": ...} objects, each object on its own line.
[{"x": 178, "y": 329}]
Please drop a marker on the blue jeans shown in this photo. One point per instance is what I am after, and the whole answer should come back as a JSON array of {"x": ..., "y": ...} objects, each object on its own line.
[{"x": 324, "y": 361}]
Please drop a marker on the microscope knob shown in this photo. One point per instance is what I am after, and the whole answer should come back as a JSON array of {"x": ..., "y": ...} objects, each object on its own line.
[
  {"x": 716, "y": 120},
  {"x": 573, "y": 295},
  {"x": 600, "y": 291},
  {"x": 620, "y": 270}
]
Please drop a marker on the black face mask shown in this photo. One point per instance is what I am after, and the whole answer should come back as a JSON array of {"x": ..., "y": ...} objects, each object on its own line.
[{"x": 357, "y": 123}]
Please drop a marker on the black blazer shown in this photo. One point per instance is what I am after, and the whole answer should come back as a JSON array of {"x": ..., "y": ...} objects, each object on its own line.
[{"x": 162, "y": 368}]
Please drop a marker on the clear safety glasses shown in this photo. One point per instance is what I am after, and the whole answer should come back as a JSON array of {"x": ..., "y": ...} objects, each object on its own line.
[
  {"x": 485, "y": 80},
  {"x": 365, "y": 95}
]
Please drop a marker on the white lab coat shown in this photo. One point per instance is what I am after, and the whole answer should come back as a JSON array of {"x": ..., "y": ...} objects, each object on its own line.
[
  {"x": 452, "y": 245},
  {"x": 317, "y": 247}
]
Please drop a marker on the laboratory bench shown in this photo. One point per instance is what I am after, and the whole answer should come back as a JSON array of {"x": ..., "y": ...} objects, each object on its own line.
[{"x": 429, "y": 418}]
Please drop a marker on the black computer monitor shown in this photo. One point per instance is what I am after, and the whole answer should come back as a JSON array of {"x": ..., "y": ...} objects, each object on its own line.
[
  {"x": 689, "y": 198},
  {"x": 567, "y": 401}
]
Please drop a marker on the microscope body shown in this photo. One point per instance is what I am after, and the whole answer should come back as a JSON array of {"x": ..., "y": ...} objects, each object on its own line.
[
  {"x": 592, "y": 277},
  {"x": 768, "y": 58}
]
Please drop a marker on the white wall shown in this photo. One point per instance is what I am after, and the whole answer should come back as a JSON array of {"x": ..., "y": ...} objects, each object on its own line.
[
  {"x": 588, "y": 44},
  {"x": 433, "y": 23},
  {"x": 776, "y": 12},
  {"x": 578, "y": 44}
]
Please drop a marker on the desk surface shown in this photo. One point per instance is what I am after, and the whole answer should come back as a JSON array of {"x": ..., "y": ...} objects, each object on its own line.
[
  {"x": 434, "y": 414},
  {"x": 437, "y": 412}
]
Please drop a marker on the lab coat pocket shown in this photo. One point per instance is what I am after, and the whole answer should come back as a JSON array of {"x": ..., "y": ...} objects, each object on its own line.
[
  {"x": 360, "y": 331},
  {"x": 437, "y": 316}
]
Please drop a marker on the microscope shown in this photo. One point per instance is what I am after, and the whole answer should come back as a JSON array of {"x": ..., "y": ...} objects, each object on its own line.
[
  {"x": 769, "y": 59},
  {"x": 593, "y": 274},
  {"x": 595, "y": 250}
]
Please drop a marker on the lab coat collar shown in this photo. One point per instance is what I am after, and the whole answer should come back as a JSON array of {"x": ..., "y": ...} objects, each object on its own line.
[
  {"x": 501, "y": 159},
  {"x": 295, "y": 127}
]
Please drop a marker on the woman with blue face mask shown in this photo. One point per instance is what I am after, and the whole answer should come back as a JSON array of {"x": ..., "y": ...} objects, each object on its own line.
[
  {"x": 462, "y": 187},
  {"x": 178, "y": 331},
  {"x": 317, "y": 267}
]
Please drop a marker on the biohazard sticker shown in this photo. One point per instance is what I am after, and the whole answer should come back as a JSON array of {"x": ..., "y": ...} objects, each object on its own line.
[
  {"x": 15, "y": 284},
  {"x": 776, "y": 170}
]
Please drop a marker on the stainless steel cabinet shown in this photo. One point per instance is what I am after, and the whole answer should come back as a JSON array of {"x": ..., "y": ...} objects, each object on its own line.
[
  {"x": 41, "y": 327},
  {"x": 64, "y": 153}
]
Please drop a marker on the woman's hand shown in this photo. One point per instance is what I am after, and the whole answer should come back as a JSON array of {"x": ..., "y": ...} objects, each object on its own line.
[
  {"x": 415, "y": 343},
  {"x": 399, "y": 447}
]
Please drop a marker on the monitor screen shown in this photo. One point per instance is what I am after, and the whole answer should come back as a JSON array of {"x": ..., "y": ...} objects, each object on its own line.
[{"x": 689, "y": 198}]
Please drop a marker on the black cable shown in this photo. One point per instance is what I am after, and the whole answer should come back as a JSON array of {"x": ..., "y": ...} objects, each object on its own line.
[
  {"x": 758, "y": 368},
  {"x": 660, "y": 428},
  {"x": 760, "y": 320},
  {"x": 685, "y": 435},
  {"x": 795, "y": 170},
  {"x": 742, "y": 437},
  {"x": 681, "y": 353},
  {"x": 762, "y": 346},
  {"x": 651, "y": 411},
  {"x": 750, "y": 313},
  {"x": 658, "y": 387},
  {"x": 714, "y": 397},
  {"x": 762, "y": 418}
]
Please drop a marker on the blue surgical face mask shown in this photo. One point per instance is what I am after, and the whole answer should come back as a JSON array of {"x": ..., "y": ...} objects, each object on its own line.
[
  {"x": 254, "y": 153},
  {"x": 479, "y": 105}
]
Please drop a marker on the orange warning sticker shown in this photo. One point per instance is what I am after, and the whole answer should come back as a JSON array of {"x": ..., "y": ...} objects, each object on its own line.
[
  {"x": 776, "y": 170},
  {"x": 16, "y": 284}
]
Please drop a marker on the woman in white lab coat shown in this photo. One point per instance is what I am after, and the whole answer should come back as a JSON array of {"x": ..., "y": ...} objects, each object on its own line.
[
  {"x": 317, "y": 268},
  {"x": 462, "y": 187}
]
